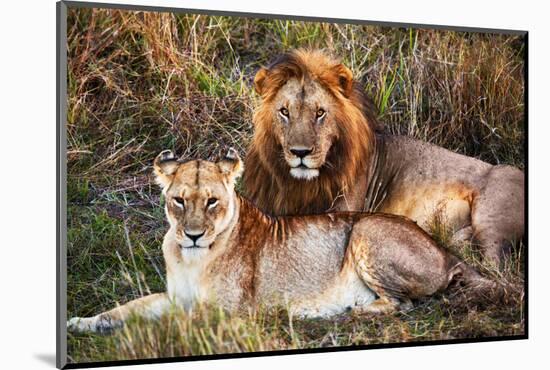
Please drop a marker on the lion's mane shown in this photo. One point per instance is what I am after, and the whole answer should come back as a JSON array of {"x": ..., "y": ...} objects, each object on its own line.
[{"x": 267, "y": 179}]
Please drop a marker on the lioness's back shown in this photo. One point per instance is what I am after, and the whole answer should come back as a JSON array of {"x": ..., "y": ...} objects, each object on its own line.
[{"x": 312, "y": 246}]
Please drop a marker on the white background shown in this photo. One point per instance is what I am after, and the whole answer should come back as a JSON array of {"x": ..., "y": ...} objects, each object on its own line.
[{"x": 27, "y": 253}]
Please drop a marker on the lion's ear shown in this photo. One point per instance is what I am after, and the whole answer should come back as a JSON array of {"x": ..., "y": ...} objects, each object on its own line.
[
  {"x": 345, "y": 79},
  {"x": 231, "y": 165},
  {"x": 165, "y": 166},
  {"x": 259, "y": 80}
]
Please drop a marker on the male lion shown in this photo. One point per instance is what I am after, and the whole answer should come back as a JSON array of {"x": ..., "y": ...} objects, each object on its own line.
[
  {"x": 316, "y": 148},
  {"x": 221, "y": 249}
]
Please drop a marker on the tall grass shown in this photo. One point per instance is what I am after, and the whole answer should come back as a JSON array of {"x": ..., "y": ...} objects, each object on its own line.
[{"x": 140, "y": 82}]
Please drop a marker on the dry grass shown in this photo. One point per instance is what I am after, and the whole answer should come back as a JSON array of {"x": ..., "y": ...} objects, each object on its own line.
[{"x": 143, "y": 82}]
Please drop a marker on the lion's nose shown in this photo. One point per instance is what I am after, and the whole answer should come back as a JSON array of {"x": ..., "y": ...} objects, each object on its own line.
[
  {"x": 301, "y": 152},
  {"x": 194, "y": 236}
]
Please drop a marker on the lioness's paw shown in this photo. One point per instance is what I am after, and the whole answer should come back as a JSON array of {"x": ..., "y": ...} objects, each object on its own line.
[
  {"x": 80, "y": 324},
  {"x": 310, "y": 313},
  {"x": 102, "y": 324}
]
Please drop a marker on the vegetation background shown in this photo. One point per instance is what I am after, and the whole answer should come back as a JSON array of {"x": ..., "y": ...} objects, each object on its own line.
[{"x": 141, "y": 82}]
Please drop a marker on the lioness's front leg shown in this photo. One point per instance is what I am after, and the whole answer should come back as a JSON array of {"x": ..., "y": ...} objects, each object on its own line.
[{"x": 149, "y": 307}]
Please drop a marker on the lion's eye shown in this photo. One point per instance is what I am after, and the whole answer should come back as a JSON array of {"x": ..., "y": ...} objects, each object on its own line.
[
  {"x": 284, "y": 111},
  {"x": 211, "y": 202},
  {"x": 180, "y": 202},
  {"x": 320, "y": 113}
]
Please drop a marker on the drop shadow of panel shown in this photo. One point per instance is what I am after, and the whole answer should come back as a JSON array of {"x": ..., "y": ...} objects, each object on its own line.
[{"x": 47, "y": 358}]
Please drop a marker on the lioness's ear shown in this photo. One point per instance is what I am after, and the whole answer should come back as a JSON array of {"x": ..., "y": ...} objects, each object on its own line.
[
  {"x": 165, "y": 165},
  {"x": 259, "y": 80},
  {"x": 232, "y": 165},
  {"x": 345, "y": 79}
]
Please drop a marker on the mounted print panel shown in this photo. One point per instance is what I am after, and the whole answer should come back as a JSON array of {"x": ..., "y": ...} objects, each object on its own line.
[{"x": 245, "y": 185}]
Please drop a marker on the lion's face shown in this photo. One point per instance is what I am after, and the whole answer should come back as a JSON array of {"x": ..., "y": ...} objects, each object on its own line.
[
  {"x": 200, "y": 199},
  {"x": 304, "y": 99},
  {"x": 314, "y": 134},
  {"x": 304, "y": 123}
]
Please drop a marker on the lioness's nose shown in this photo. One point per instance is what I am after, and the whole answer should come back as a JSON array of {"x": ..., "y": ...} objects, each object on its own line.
[
  {"x": 301, "y": 152},
  {"x": 194, "y": 236}
]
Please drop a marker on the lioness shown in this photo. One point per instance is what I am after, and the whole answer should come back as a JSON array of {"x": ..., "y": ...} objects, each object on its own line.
[
  {"x": 316, "y": 148},
  {"x": 220, "y": 248}
]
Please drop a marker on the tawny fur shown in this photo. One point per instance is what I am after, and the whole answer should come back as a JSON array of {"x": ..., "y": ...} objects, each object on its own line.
[
  {"x": 318, "y": 265},
  {"x": 359, "y": 168}
]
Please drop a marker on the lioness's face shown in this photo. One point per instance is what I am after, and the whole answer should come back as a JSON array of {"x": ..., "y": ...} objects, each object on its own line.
[
  {"x": 304, "y": 116},
  {"x": 200, "y": 199}
]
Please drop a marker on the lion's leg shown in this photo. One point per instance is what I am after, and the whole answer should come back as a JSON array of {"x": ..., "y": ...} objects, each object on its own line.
[
  {"x": 498, "y": 213},
  {"x": 462, "y": 235},
  {"x": 149, "y": 307},
  {"x": 352, "y": 199}
]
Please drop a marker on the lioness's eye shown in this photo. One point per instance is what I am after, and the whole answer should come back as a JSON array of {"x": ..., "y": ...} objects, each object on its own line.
[
  {"x": 211, "y": 202},
  {"x": 284, "y": 111},
  {"x": 320, "y": 113},
  {"x": 180, "y": 202}
]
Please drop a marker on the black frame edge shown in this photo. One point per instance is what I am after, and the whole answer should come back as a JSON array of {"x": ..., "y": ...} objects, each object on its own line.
[{"x": 526, "y": 176}]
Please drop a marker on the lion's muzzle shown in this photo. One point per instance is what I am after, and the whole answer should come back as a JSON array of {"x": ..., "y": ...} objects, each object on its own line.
[{"x": 301, "y": 164}]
